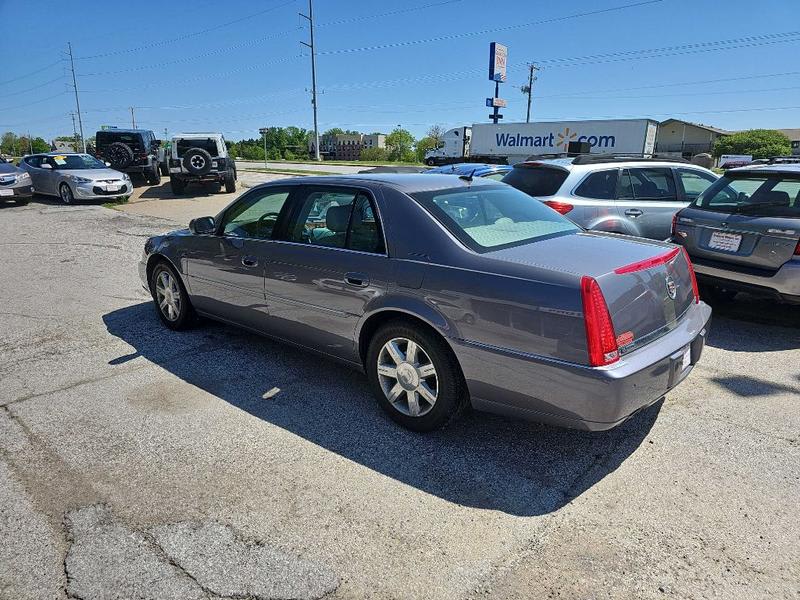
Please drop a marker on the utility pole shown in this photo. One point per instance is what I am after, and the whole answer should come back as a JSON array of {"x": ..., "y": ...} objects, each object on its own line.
[
  {"x": 30, "y": 142},
  {"x": 133, "y": 119},
  {"x": 77, "y": 101},
  {"x": 528, "y": 89},
  {"x": 310, "y": 18},
  {"x": 74, "y": 131}
]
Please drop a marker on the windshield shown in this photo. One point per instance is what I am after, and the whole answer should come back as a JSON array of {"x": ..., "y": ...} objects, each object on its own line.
[
  {"x": 757, "y": 194},
  {"x": 76, "y": 161},
  {"x": 493, "y": 217}
]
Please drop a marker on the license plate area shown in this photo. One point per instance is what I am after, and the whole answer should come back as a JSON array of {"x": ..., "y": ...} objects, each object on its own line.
[
  {"x": 112, "y": 188},
  {"x": 6, "y": 192},
  {"x": 727, "y": 242}
]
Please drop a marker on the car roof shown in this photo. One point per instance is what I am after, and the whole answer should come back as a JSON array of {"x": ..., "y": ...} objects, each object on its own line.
[
  {"x": 121, "y": 130},
  {"x": 467, "y": 168},
  {"x": 788, "y": 168},
  {"x": 196, "y": 134},
  {"x": 408, "y": 183},
  {"x": 567, "y": 164}
]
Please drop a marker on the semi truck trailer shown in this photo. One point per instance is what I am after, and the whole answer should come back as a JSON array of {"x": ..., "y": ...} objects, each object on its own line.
[{"x": 510, "y": 143}]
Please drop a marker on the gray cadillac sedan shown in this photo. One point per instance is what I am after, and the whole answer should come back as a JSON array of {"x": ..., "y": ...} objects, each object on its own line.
[{"x": 447, "y": 291}]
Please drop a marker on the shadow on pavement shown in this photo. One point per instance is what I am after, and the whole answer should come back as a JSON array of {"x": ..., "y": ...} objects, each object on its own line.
[
  {"x": 480, "y": 461},
  {"x": 163, "y": 191},
  {"x": 752, "y": 387},
  {"x": 750, "y": 324}
]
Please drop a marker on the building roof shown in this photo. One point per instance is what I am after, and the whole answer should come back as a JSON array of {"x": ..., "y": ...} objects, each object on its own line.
[
  {"x": 700, "y": 125},
  {"x": 792, "y": 134}
]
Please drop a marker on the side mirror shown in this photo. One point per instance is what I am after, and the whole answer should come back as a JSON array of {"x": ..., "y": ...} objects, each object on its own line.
[
  {"x": 108, "y": 164},
  {"x": 202, "y": 225},
  {"x": 46, "y": 166}
]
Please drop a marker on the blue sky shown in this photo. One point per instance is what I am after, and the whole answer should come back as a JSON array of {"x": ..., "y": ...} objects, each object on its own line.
[{"x": 236, "y": 66}]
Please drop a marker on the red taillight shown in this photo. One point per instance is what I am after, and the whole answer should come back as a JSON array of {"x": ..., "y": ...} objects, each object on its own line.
[
  {"x": 601, "y": 341},
  {"x": 561, "y": 207},
  {"x": 695, "y": 289},
  {"x": 648, "y": 263},
  {"x": 674, "y": 228},
  {"x": 797, "y": 249}
]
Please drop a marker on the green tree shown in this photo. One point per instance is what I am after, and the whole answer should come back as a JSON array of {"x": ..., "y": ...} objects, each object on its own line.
[
  {"x": 423, "y": 145},
  {"x": 334, "y": 131},
  {"x": 374, "y": 154},
  {"x": 760, "y": 143},
  {"x": 40, "y": 145},
  {"x": 8, "y": 143},
  {"x": 400, "y": 145}
]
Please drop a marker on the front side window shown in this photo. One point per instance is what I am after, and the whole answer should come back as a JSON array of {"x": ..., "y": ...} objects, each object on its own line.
[
  {"x": 601, "y": 185},
  {"x": 34, "y": 161},
  {"x": 256, "y": 214},
  {"x": 694, "y": 182},
  {"x": 492, "y": 217},
  {"x": 655, "y": 184},
  {"x": 337, "y": 218},
  {"x": 760, "y": 195}
]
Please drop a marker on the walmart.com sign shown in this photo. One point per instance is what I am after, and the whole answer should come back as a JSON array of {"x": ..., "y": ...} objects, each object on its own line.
[{"x": 558, "y": 141}]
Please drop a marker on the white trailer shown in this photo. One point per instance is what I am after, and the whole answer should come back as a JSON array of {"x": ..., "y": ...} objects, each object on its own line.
[{"x": 514, "y": 142}]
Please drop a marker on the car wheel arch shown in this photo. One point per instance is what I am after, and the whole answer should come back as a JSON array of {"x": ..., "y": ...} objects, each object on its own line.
[
  {"x": 156, "y": 258},
  {"x": 431, "y": 321}
]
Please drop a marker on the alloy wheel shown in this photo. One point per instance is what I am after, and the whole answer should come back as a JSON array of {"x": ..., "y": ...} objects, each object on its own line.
[
  {"x": 66, "y": 194},
  {"x": 408, "y": 377},
  {"x": 168, "y": 296}
]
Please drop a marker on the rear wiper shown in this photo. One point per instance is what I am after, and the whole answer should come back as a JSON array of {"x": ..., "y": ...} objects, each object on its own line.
[{"x": 745, "y": 208}]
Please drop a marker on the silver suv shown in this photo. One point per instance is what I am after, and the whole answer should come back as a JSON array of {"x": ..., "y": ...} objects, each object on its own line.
[
  {"x": 743, "y": 233},
  {"x": 634, "y": 196}
]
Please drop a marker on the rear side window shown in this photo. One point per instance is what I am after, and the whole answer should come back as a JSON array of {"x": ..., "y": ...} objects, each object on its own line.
[
  {"x": 694, "y": 182},
  {"x": 758, "y": 195},
  {"x": 648, "y": 184},
  {"x": 601, "y": 185},
  {"x": 536, "y": 180}
]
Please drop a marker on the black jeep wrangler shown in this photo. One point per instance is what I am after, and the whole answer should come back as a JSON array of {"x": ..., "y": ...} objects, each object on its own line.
[{"x": 130, "y": 151}]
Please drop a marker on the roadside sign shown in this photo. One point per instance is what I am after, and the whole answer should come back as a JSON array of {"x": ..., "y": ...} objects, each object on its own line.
[
  {"x": 262, "y": 131},
  {"x": 495, "y": 102},
  {"x": 498, "y": 57},
  {"x": 736, "y": 159}
]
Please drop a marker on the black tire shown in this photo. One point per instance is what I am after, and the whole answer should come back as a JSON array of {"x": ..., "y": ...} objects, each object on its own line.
[
  {"x": 450, "y": 388},
  {"x": 197, "y": 161},
  {"x": 177, "y": 185},
  {"x": 182, "y": 310},
  {"x": 430, "y": 162},
  {"x": 153, "y": 176},
  {"x": 164, "y": 166},
  {"x": 230, "y": 182},
  {"x": 22, "y": 201},
  {"x": 65, "y": 194},
  {"x": 120, "y": 155}
]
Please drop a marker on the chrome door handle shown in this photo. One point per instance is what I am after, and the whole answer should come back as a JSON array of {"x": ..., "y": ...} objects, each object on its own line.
[
  {"x": 358, "y": 279},
  {"x": 633, "y": 212},
  {"x": 249, "y": 261}
]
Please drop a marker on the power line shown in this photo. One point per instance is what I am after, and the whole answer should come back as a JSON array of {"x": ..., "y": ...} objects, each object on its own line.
[
  {"x": 185, "y": 36},
  {"x": 30, "y": 89},
  {"x": 26, "y": 104},
  {"x": 50, "y": 66}
]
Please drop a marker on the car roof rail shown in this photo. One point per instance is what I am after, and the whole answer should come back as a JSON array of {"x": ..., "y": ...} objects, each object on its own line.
[
  {"x": 593, "y": 159},
  {"x": 783, "y": 160}
]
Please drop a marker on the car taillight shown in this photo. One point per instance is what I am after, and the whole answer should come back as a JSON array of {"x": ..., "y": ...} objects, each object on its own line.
[
  {"x": 648, "y": 263},
  {"x": 695, "y": 289},
  {"x": 674, "y": 228},
  {"x": 601, "y": 341},
  {"x": 561, "y": 207},
  {"x": 797, "y": 249}
]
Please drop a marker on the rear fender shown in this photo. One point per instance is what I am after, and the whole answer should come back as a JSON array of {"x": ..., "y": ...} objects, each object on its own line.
[{"x": 613, "y": 224}]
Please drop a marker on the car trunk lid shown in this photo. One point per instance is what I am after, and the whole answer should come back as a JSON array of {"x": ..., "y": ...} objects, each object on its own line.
[{"x": 647, "y": 285}]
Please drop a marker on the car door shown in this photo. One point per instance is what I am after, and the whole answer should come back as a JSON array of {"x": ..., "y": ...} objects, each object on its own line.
[
  {"x": 647, "y": 199},
  {"x": 39, "y": 177},
  {"x": 225, "y": 270},
  {"x": 331, "y": 263}
]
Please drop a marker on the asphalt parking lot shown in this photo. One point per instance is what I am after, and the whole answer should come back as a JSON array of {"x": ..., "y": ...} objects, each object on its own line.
[{"x": 136, "y": 462}]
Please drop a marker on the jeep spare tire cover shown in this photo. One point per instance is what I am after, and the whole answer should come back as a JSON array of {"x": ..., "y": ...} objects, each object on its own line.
[
  {"x": 120, "y": 155},
  {"x": 197, "y": 161}
]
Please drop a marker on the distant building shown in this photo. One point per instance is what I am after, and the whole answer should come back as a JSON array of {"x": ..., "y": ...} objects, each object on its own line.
[
  {"x": 685, "y": 138},
  {"x": 346, "y": 146},
  {"x": 794, "y": 137}
]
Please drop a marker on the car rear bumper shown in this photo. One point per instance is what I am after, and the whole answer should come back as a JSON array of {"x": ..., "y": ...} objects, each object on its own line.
[
  {"x": 578, "y": 396},
  {"x": 784, "y": 283}
]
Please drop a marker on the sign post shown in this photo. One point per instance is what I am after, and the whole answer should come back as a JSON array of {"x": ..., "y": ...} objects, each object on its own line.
[{"x": 498, "y": 59}]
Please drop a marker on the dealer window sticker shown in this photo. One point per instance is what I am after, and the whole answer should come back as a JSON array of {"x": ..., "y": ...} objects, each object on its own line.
[{"x": 60, "y": 160}]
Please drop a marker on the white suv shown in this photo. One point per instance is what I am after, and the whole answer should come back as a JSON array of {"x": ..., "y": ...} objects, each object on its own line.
[
  {"x": 634, "y": 196},
  {"x": 201, "y": 158}
]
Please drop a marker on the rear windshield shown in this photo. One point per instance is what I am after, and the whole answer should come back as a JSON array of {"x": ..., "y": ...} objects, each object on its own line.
[
  {"x": 109, "y": 137},
  {"x": 536, "y": 180},
  {"x": 493, "y": 216},
  {"x": 759, "y": 194},
  {"x": 208, "y": 145}
]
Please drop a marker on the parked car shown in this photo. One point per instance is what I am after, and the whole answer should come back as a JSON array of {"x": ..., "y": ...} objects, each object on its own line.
[
  {"x": 130, "y": 151},
  {"x": 74, "y": 176},
  {"x": 446, "y": 291},
  {"x": 15, "y": 184},
  {"x": 200, "y": 158},
  {"x": 743, "y": 233},
  {"x": 634, "y": 196},
  {"x": 496, "y": 172}
]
